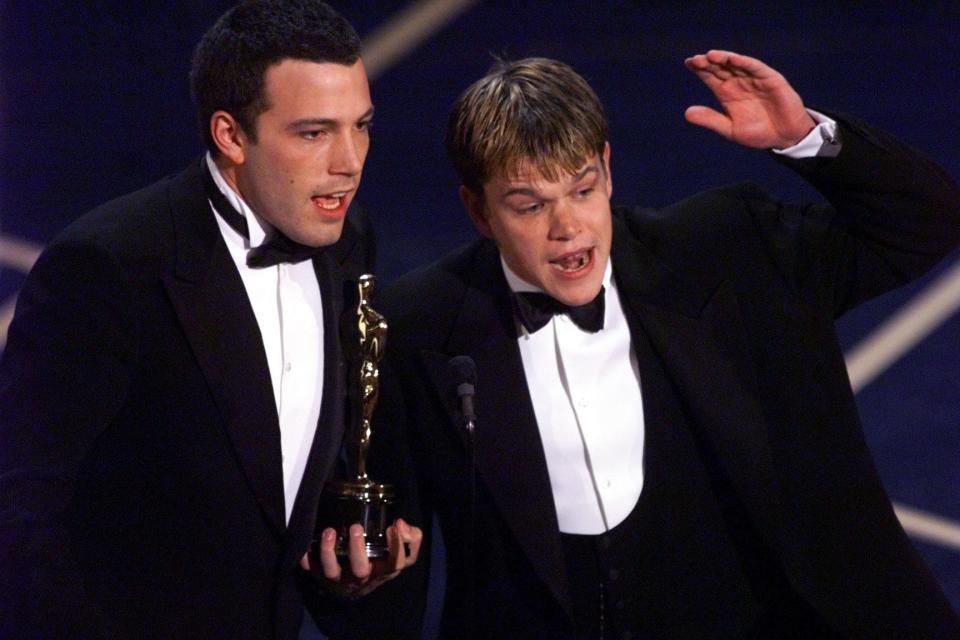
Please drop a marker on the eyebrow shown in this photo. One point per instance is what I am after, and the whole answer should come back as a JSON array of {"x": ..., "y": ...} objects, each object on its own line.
[
  {"x": 583, "y": 173},
  {"x": 325, "y": 122},
  {"x": 528, "y": 191}
]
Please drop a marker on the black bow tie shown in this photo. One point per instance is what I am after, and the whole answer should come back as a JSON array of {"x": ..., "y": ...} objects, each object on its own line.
[
  {"x": 535, "y": 310},
  {"x": 279, "y": 248}
]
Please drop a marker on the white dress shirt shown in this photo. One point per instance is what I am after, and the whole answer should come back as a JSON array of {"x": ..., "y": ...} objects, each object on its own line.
[
  {"x": 585, "y": 389},
  {"x": 286, "y": 303},
  {"x": 586, "y": 394}
]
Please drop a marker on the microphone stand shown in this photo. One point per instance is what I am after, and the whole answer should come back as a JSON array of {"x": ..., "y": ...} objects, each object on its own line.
[{"x": 466, "y": 371}]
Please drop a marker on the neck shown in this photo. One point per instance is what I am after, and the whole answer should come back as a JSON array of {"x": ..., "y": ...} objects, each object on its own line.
[{"x": 228, "y": 170}]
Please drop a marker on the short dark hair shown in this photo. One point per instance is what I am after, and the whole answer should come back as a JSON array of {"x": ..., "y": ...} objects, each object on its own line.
[
  {"x": 232, "y": 58},
  {"x": 536, "y": 110}
]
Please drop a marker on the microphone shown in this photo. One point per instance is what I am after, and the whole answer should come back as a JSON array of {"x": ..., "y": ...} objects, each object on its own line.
[{"x": 465, "y": 373}]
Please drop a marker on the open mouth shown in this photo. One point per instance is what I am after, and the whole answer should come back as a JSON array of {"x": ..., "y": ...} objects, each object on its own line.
[
  {"x": 573, "y": 262},
  {"x": 331, "y": 201}
]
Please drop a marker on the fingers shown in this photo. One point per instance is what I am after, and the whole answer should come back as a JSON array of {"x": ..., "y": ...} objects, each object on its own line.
[
  {"x": 398, "y": 556},
  {"x": 412, "y": 538},
  {"x": 737, "y": 64},
  {"x": 328, "y": 555},
  {"x": 364, "y": 575},
  {"x": 357, "y": 553},
  {"x": 404, "y": 541},
  {"x": 723, "y": 65}
]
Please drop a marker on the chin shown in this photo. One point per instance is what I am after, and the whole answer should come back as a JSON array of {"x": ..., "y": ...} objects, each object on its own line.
[
  {"x": 320, "y": 238},
  {"x": 577, "y": 298}
]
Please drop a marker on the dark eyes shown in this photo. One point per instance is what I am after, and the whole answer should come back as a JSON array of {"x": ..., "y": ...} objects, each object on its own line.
[{"x": 534, "y": 207}]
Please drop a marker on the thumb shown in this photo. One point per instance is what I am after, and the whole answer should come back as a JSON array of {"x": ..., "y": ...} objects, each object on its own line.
[{"x": 709, "y": 119}]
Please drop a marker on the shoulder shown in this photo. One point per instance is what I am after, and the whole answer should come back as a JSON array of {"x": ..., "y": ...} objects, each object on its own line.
[
  {"x": 443, "y": 281},
  {"x": 699, "y": 224},
  {"x": 431, "y": 296},
  {"x": 136, "y": 226}
]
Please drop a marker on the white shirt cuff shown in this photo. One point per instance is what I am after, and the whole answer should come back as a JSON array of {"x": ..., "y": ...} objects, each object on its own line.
[{"x": 821, "y": 142}]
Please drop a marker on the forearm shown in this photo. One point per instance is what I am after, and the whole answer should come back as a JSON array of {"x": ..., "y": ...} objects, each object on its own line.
[{"x": 894, "y": 214}]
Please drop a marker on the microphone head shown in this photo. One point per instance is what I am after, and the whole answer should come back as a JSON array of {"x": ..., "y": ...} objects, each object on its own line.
[{"x": 464, "y": 369}]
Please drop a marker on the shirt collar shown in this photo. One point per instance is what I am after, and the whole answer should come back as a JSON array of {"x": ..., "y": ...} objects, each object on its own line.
[{"x": 257, "y": 228}]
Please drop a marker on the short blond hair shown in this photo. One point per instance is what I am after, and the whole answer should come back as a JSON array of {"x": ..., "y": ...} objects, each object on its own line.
[{"x": 534, "y": 112}]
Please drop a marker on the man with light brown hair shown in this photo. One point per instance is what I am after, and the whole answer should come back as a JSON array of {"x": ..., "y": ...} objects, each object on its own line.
[{"x": 666, "y": 441}]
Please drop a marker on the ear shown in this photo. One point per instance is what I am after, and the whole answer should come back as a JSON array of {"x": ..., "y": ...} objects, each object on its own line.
[
  {"x": 476, "y": 209},
  {"x": 228, "y": 136},
  {"x": 606, "y": 168}
]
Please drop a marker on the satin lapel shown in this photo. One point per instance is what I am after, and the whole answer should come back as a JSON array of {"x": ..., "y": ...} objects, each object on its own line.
[
  {"x": 212, "y": 306},
  {"x": 510, "y": 458},
  {"x": 696, "y": 330},
  {"x": 331, "y": 424}
]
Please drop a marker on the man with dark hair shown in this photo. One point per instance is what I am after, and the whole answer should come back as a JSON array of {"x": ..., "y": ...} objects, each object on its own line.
[
  {"x": 172, "y": 390},
  {"x": 666, "y": 443}
]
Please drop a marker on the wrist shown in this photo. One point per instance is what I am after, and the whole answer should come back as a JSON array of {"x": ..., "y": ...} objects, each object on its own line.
[{"x": 799, "y": 133}]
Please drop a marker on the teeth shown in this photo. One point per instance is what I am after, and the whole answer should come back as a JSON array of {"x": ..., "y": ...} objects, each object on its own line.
[
  {"x": 571, "y": 263},
  {"x": 329, "y": 202}
]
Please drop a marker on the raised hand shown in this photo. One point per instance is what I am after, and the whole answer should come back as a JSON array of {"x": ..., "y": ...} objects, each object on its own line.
[{"x": 760, "y": 108}]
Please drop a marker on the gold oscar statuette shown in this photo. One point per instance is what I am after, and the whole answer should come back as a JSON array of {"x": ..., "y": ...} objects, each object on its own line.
[{"x": 357, "y": 498}]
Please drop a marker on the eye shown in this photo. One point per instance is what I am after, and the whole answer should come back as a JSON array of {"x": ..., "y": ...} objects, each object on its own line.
[
  {"x": 312, "y": 134},
  {"x": 364, "y": 125},
  {"x": 583, "y": 193},
  {"x": 530, "y": 208}
]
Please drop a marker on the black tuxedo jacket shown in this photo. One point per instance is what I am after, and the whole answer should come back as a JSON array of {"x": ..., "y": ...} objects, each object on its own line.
[
  {"x": 140, "y": 461},
  {"x": 737, "y": 295}
]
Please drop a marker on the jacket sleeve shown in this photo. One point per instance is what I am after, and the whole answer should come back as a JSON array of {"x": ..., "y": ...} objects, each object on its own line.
[
  {"x": 893, "y": 214},
  {"x": 64, "y": 373}
]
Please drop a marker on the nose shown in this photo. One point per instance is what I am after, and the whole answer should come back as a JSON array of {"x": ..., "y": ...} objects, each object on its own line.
[
  {"x": 564, "y": 224},
  {"x": 347, "y": 155}
]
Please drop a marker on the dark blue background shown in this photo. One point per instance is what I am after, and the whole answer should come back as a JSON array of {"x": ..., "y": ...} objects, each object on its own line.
[{"x": 94, "y": 103}]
